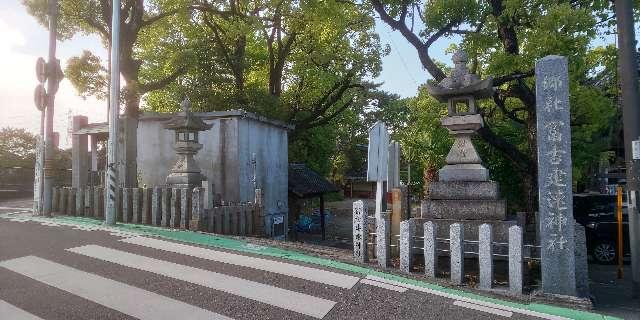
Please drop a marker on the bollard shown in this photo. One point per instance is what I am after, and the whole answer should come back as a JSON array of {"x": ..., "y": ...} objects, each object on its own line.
[
  {"x": 407, "y": 234},
  {"x": 185, "y": 207},
  {"x": 147, "y": 194},
  {"x": 136, "y": 205},
  {"x": 382, "y": 239},
  {"x": 71, "y": 202},
  {"x": 80, "y": 202},
  {"x": 360, "y": 231},
  {"x": 198, "y": 217},
  {"x": 515, "y": 260},
  {"x": 226, "y": 220},
  {"x": 156, "y": 206},
  {"x": 88, "y": 202},
  {"x": 54, "y": 199},
  {"x": 174, "y": 221},
  {"x": 127, "y": 211},
  {"x": 63, "y": 194},
  {"x": 166, "y": 207},
  {"x": 430, "y": 249},
  {"x": 485, "y": 255},
  {"x": 456, "y": 243}
]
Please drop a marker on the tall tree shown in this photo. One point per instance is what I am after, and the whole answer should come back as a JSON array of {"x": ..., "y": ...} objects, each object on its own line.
[{"x": 303, "y": 62}]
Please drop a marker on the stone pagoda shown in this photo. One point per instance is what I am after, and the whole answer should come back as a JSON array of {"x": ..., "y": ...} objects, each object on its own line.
[
  {"x": 464, "y": 192},
  {"x": 186, "y": 173}
]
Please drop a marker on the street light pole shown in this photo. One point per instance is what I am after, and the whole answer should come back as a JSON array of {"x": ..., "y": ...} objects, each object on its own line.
[
  {"x": 114, "y": 111},
  {"x": 52, "y": 87},
  {"x": 628, "y": 77}
]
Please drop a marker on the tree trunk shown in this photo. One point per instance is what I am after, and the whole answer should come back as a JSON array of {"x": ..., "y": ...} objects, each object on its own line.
[{"x": 128, "y": 144}]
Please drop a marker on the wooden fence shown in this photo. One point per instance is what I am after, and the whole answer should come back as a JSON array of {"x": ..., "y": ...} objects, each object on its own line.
[{"x": 178, "y": 208}]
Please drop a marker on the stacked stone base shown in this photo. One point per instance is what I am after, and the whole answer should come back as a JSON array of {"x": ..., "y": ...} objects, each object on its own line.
[{"x": 471, "y": 203}]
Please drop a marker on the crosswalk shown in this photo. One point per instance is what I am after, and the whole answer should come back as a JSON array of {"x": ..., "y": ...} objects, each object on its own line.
[
  {"x": 12, "y": 312},
  {"x": 102, "y": 273},
  {"x": 109, "y": 293},
  {"x": 143, "y": 304}
]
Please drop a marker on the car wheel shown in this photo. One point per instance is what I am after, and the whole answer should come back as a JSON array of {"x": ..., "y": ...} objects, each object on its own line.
[{"x": 604, "y": 252}]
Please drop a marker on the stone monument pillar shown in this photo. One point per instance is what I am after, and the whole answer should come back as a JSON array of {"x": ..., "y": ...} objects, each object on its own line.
[
  {"x": 563, "y": 263},
  {"x": 186, "y": 173},
  {"x": 464, "y": 192}
]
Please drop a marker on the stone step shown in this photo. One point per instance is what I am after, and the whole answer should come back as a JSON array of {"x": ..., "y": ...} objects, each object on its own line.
[
  {"x": 464, "y": 209},
  {"x": 464, "y": 190}
]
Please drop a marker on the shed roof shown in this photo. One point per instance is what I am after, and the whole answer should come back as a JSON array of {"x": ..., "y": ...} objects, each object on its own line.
[
  {"x": 306, "y": 183},
  {"x": 100, "y": 128}
]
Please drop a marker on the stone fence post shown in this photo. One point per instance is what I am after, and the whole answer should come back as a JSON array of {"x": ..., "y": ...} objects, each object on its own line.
[
  {"x": 456, "y": 245},
  {"x": 407, "y": 234},
  {"x": 198, "y": 216},
  {"x": 515, "y": 259},
  {"x": 156, "y": 206},
  {"x": 360, "y": 231},
  {"x": 430, "y": 249},
  {"x": 174, "y": 220},
  {"x": 382, "y": 239},
  {"x": 485, "y": 255},
  {"x": 80, "y": 201},
  {"x": 146, "y": 205}
]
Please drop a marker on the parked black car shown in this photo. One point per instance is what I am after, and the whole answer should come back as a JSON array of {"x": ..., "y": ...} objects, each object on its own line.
[{"x": 597, "y": 213}]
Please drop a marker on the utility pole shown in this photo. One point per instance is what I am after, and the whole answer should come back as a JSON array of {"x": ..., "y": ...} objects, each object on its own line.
[
  {"x": 628, "y": 77},
  {"x": 114, "y": 112},
  {"x": 52, "y": 87}
]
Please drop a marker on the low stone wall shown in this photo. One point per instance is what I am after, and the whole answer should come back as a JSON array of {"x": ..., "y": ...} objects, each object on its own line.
[
  {"x": 419, "y": 238},
  {"x": 178, "y": 208}
]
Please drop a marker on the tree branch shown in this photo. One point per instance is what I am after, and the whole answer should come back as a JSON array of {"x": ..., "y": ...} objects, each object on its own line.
[
  {"x": 160, "y": 16},
  {"x": 514, "y": 76},
  {"x": 520, "y": 160},
  {"x": 511, "y": 114},
  {"x": 421, "y": 47},
  {"x": 159, "y": 84}
]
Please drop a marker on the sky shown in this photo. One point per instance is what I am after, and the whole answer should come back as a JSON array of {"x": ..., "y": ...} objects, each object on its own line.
[{"x": 23, "y": 40}]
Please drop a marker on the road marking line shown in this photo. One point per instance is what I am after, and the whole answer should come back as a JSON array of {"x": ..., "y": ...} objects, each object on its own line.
[
  {"x": 286, "y": 299},
  {"x": 498, "y": 312},
  {"x": 383, "y": 285},
  {"x": 287, "y": 269},
  {"x": 474, "y": 301},
  {"x": 15, "y": 208},
  {"x": 14, "y": 313},
  {"x": 109, "y": 293}
]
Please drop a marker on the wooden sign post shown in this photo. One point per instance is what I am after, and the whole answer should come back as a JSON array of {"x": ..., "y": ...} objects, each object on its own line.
[{"x": 377, "y": 162}]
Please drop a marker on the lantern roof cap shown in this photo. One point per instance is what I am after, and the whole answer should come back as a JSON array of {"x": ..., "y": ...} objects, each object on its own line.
[
  {"x": 186, "y": 120},
  {"x": 461, "y": 82}
]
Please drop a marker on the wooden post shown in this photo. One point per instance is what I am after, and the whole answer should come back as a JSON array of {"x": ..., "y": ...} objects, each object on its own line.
[
  {"x": 322, "y": 218},
  {"x": 620, "y": 243}
]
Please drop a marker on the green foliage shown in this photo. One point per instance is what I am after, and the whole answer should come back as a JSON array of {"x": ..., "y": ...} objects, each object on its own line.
[
  {"x": 87, "y": 75},
  {"x": 17, "y": 147}
]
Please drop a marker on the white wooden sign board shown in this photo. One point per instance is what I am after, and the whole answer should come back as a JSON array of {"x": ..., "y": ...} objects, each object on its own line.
[
  {"x": 393, "y": 174},
  {"x": 378, "y": 155},
  {"x": 635, "y": 149}
]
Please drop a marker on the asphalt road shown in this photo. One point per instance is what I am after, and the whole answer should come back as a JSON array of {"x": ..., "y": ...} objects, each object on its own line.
[{"x": 50, "y": 271}]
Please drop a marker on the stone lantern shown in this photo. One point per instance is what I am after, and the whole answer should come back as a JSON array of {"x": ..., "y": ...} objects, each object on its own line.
[
  {"x": 460, "y": 91},
  {"x": 464, "y": 191},
  {"x": 186, "y": 173}
]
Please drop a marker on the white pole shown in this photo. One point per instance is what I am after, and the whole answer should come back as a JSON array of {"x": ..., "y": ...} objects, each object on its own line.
[{"x": 114, "y": 110}]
